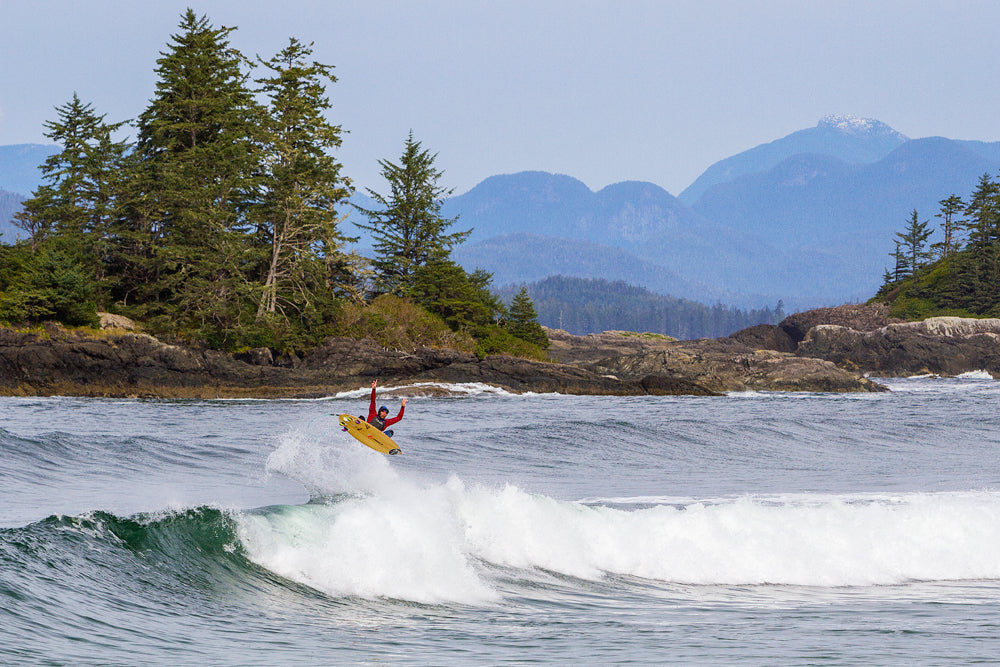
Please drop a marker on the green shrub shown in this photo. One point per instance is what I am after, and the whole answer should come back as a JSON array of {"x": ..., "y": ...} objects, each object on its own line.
[
  {"x": 399, "y": 324},
  {"x": 496, "y": 340},
  {"x": 47, "y": 285}
]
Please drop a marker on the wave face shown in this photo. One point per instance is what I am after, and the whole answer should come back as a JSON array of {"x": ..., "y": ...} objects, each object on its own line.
[
  {"x": 438, "y": 544},
  {"x": 512, "y": 529}
]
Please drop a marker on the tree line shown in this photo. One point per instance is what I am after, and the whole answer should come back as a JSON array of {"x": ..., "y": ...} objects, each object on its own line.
[
  {"x": 222, "y": 222},
  {"x": 591, "y": 305},
  {"x": 958, "y": 274}
]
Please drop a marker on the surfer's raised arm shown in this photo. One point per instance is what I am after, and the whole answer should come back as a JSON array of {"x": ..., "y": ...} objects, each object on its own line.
[{"x": 379, "y": 418}]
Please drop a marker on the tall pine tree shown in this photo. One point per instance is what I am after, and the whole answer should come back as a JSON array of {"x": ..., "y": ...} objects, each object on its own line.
[
  {"x": 79, "y": 196},
  {"x": 197, "y": 176},
  {"x": 951, "y": 208},
  {"x": 408, "y": 228},
  {"x": 914, "y": 242},
  {"x": 297, "y": 218}
]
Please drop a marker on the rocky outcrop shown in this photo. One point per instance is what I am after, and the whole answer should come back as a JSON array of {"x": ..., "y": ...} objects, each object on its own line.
[
  {"x": 938, "y": 345},
  {"x": 857, "y": 316},
  {"x": 828, "y": 349},
  {"x": 723, "y": 365},
  {"x": 568, "y": 348},
  {"x": 62, "y": 362},
  {"x": 863, "y": 338},
  {"x": 766, "y": 337}
]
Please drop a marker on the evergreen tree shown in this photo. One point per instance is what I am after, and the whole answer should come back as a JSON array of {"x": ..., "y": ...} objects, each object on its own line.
[
  {"x": 914, "y": 242},
  {"x": 983, "y": 214},
  {"x": 523, "y": 320},
  {"x": 196, "y": 178},
  {"x": 950, "y": 224},
  {"x": 78, "y": 200},
  {"x": 408, "y": 230},
  {"x": 297, "y": 218},
  {"x": 902, "y": 263},
  {"x": 463, "y": 300}
]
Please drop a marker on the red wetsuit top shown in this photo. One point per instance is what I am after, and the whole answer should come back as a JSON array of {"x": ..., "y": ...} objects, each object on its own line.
[{"x": 374, "y": 420}]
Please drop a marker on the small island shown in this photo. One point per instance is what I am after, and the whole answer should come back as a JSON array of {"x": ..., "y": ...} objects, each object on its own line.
[{"x": 209, "y": 258}]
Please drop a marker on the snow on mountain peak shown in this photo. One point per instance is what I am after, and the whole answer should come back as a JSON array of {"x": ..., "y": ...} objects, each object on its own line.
[{"x": 856, "y": 125}]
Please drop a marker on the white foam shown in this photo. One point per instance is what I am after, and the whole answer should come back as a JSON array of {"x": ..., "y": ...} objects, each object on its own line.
[
  {"x": 976, "y": 375},
  {"x": 972, "y": 381},
  {"x": 403, "y": 543},
  {"x": 818, "y": 542},
  {"x": 454, "y": 388},
  {"x": 432, "y": 543}
]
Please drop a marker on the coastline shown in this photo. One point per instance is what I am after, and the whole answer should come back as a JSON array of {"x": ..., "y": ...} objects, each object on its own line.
[{"x": 825, "y": 350}]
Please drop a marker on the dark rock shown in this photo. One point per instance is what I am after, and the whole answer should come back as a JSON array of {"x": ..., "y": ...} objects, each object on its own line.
[
  {"x": 288, "y": 360},
  {"x": 765, "y": 337},
  {"x": 140, "y": 365},
  {"x": 259, "y": 356}
]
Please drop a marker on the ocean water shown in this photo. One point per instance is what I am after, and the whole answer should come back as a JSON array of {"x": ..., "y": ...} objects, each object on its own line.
[{"x": 759, "y": 528}]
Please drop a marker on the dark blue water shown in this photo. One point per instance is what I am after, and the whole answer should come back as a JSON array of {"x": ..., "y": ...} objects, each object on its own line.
[{"x": 753, "y": 528}]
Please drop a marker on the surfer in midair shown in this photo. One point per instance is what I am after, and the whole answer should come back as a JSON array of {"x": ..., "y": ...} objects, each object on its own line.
[{"x": 379, "y": 418}]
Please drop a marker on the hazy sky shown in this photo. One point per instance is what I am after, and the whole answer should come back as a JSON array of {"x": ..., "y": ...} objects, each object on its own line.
[{"x": 602, "y": 91}]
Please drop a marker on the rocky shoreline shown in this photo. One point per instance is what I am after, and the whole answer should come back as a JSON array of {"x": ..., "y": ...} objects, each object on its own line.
[{"x": 830, "y": 350}]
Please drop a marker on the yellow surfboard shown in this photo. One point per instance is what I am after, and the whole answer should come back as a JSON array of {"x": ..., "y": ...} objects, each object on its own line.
[{"x": 368, "y": 435}]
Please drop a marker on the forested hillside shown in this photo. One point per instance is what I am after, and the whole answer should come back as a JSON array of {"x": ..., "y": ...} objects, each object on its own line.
[
  {"x": 951, "y": 267},
  {"x": 585, "y": 305}
]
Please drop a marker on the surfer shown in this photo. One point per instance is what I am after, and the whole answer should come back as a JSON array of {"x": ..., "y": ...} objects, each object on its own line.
[{"x": 378, "y": 418}]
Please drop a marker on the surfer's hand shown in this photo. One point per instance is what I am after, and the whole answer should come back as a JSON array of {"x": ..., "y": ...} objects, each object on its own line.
[
  {"x": 374, "y": 382},
  {"x": 404, "y": 402}
]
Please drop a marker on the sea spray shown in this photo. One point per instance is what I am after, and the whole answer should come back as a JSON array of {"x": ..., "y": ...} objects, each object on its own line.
[
  {"x": 343, "y": 466},
  {"x": 404, "y": 543}
]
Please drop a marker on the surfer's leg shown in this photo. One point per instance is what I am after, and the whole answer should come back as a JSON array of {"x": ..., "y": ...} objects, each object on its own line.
[{"x": 388, "y": 433}]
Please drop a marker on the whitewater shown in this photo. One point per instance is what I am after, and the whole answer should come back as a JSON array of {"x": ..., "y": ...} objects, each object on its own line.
[{"x": 761, "y": 528}]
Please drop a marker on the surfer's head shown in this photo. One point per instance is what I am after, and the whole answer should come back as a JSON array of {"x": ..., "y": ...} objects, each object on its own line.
[{"x": 383, "y": 411}]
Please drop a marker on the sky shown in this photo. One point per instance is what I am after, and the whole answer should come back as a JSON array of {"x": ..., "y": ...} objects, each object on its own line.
[{"x": 604, "y": 91}]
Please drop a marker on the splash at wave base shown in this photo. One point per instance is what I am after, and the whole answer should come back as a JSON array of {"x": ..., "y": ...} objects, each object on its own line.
[{"x": 371, "y": 532}]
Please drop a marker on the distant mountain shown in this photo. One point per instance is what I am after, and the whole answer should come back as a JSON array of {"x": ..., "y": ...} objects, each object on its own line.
[
  {"x": 848, "y": 138},
  {"x": 989, "y": 150},
  {"x": 641, "y": 219},
  {"x": 10, "y": 203},
  {"x": 814, "y": 203},
  {"x": 19, "y": 164}
]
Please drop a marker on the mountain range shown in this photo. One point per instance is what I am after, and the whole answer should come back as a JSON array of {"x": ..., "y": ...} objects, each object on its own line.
[{"x": 809, "y": 218}]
